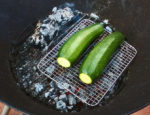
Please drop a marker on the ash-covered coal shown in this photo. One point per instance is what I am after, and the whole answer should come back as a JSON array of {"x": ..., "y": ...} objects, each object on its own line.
[
  {"x": 24, "y": 62},
  {"x": 50, "y": 26}
]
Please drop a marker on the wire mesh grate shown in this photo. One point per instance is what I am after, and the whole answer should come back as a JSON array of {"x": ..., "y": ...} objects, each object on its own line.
[{"x": 68, "y": 78}]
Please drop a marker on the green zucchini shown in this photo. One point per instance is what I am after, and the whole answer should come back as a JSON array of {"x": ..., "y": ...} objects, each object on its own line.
[
  {"x": 95, "y": 62},
  {"x": 77, "y": 43}
]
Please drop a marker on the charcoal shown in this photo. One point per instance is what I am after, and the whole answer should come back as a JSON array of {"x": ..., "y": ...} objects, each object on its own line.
[
  {"x": 47, "y": 94},
  {"x": 109, "y": 29},
  {"x": 38, "y": 87},
  {"x": 30, "y": 82},
  {"x": 63, "y": 85},
  {"x": 106, "y": 21},
  {"x": 44, "y": 31},
  {"x": 52, "y": 84},
  {"x": 60, "y": 86},
  {"x": 56, "y": 99},
  {"x": 25, "y": 84},
  {"x": 51, "y": 90},
  {"x": 70, "y": 107},
  {"x": 54, "y": 10},
  {"x": 72, "y": 100},
  {"x": 63, "y": 97},
  {"x": 60, "y": 105},
  {"x": 51, "y": 25},
  {"x": 110, "y": 74},
  {"x": 93, "y": 15},
  {"x": 50, "y": 69},
  {"x": 34, "y": 68},
  {"x": 53, "y": 96}
]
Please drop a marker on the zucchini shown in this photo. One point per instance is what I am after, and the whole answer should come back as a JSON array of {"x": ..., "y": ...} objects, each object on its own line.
[
  {"x": 95, "y": 62},
  {"x": 77, "y": 43}
]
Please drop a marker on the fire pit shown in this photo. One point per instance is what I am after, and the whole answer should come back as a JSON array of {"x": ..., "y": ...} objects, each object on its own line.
[{"x": 65, "y": 96}]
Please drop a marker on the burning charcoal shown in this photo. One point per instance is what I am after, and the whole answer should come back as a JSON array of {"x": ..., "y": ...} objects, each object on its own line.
[
  {"x": 109, "y": 29},
  {"x": 93, "y": 15},
  {"x": 38, "y": 87},
  {"x": 72, "y": 100},
  {"x": 63, "y": 97},
  {"x": 50, "y": 69},
  {"x": 60, "y": 105}
]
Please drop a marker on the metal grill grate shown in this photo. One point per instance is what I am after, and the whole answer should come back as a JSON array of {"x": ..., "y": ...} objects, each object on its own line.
[{"x": 68, "y": 78}]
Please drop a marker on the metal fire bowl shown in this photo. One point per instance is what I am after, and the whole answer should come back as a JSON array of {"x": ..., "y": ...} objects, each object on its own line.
[{"x": 129, "y": 17}]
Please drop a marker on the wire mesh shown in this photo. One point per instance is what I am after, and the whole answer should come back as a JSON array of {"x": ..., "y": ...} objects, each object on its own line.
[{"x": 68, "y": 78}]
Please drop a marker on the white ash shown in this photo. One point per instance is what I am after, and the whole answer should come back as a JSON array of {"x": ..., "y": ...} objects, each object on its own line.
[
  {"x": 38, "y": 87},
  {"x": 93, "y": 15}
]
